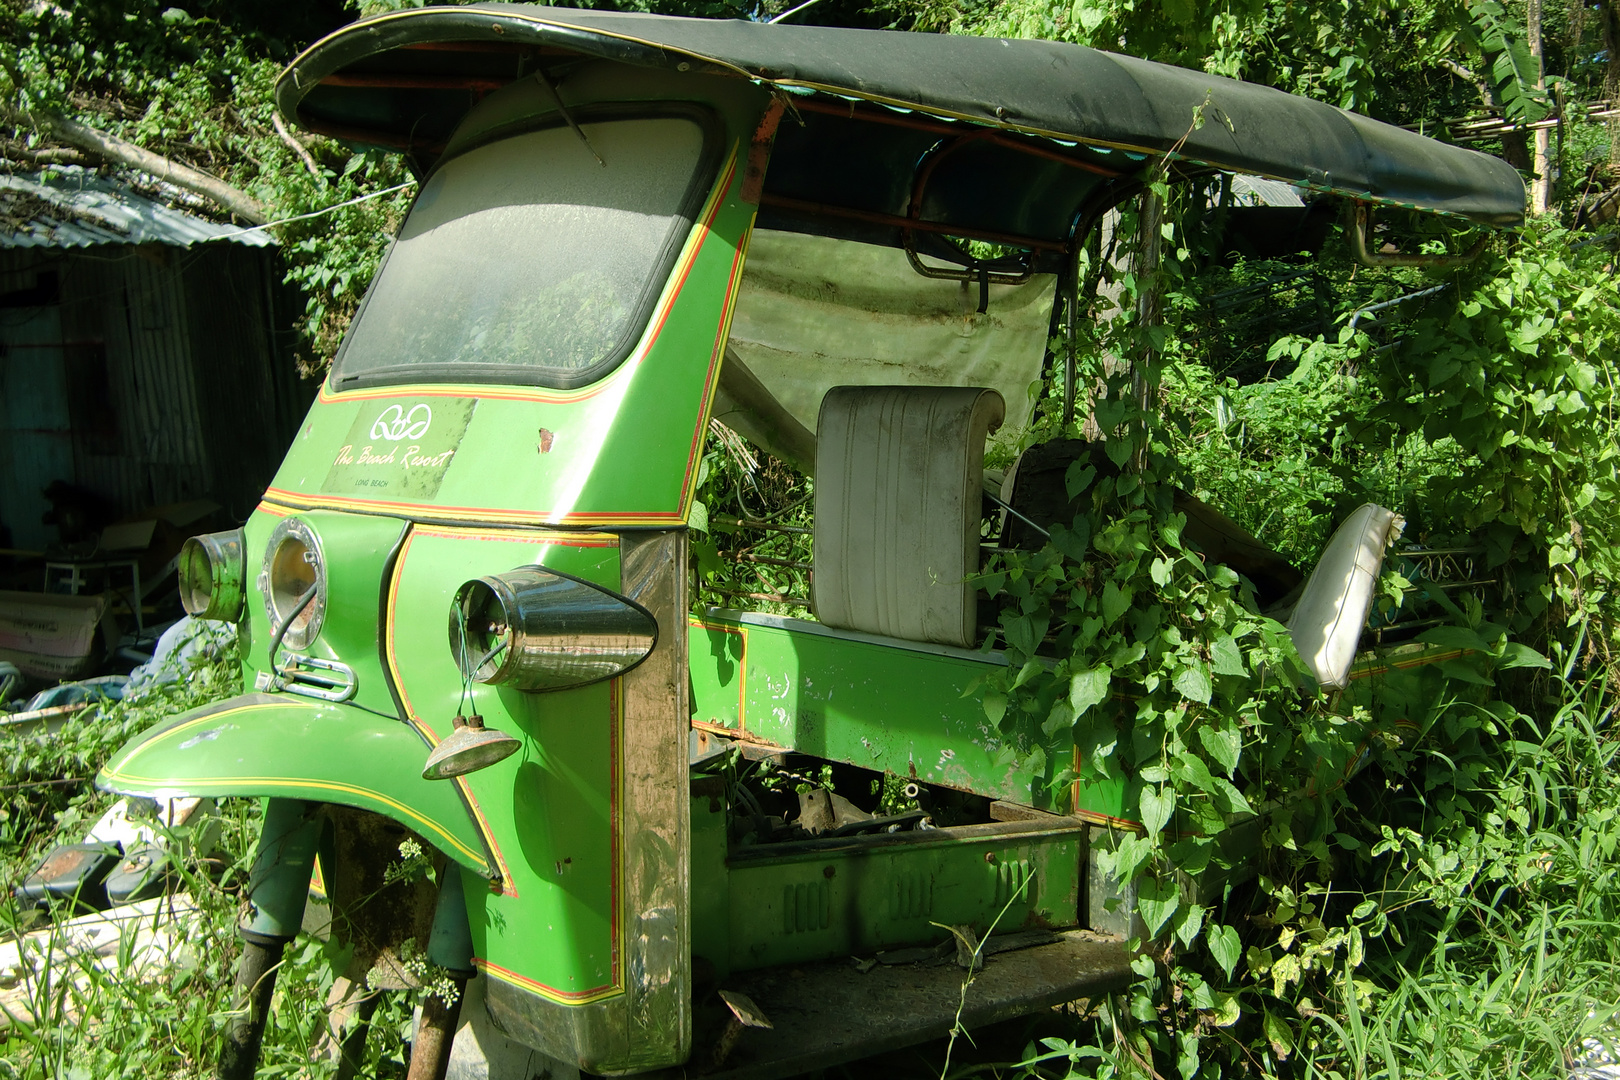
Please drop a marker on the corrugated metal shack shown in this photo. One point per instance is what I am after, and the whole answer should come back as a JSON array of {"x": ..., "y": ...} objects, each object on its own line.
[{"x": 144, "y": 353}]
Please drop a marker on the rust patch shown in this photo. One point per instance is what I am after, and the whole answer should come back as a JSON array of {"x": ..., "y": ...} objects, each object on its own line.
[{"x": 370, "y": 913}]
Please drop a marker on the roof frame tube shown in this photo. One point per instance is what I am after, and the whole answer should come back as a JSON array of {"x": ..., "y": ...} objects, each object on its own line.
[{"x": 1360, "y": 230}]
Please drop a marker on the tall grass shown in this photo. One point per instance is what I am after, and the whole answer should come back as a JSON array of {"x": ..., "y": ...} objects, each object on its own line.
[
  {"x": 1517, "y": 970},
  {"x": 87, "y": 1018}
]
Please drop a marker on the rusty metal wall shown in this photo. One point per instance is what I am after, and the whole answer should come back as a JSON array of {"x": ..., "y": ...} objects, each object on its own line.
[{"x": 197, "y": 357}]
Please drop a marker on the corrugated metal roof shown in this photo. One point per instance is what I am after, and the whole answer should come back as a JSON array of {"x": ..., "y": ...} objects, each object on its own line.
[
  {"x": 75, "y": 207},
  {"x": 1267, "y": 192}
]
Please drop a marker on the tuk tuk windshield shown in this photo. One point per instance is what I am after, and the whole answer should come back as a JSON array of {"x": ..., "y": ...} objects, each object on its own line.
[{"x": 525, "y": 260}]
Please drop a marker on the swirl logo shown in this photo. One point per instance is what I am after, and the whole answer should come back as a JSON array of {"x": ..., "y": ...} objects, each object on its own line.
[{"x": 394, "y": 423}]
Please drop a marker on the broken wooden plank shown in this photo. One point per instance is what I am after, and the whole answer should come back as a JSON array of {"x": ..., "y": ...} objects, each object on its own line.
[{"x": 136, "y": 941}]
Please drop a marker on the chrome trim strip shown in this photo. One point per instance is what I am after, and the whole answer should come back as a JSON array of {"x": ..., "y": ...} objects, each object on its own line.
[{"x": 649, "y": 1025}]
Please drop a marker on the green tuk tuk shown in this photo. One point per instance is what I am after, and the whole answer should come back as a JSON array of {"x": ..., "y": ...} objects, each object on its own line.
[{"x": 465, "y": 597}]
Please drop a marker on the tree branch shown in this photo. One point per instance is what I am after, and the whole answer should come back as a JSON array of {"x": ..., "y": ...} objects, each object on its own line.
[
  {"x": 297, "y": 147},
  {"x": 112, "y": 148},
  {"x": 1469, "y": 77},
  {"x": 49, "y": 155}
]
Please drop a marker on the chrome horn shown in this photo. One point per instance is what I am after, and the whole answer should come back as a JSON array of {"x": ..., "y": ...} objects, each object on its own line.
[
  {"x": 534, "y": 629},
  {"x": 537, "y": 629}
]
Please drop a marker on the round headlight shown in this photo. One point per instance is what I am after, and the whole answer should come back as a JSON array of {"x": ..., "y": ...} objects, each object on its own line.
[
  {"x": 210, "y": 571},
  {"x": 293, "y": 566}
]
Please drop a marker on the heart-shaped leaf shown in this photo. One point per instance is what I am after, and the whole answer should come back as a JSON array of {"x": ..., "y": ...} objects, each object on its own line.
[
  {"x": 1227, "y": 657},
  {"x": 1088, "y": 688},
  {"x": 1157, "y": 806},
  {"x": 1157, "y": 901},
  {"x": 1115, "y": 602},
  {"x": 1188, "y": 924},
  {"x": 1223, "y": 744},
  {"x": 1192, "y": 682},
  {"x": 1224, "y": 946}
]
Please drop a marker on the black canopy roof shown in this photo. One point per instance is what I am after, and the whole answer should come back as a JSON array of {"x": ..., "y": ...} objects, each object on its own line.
[{"x": 411, "y": 99}]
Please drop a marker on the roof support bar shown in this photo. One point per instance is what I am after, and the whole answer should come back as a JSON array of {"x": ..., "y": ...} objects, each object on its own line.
[
  {"x": 1361, "y": 229},
  {"x": 815, "y": 209}
]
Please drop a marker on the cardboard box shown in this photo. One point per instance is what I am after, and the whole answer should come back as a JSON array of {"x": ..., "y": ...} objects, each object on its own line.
[{"x": 54, "y": 637}]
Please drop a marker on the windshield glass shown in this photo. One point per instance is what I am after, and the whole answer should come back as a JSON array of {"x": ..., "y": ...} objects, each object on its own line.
[{"x": 527, "y": 261}]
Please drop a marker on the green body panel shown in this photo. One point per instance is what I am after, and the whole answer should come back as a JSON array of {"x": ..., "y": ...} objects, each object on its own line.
[
  {"x": 280, "y": 746},
  {"x": 621, "y": 451},
  {"x": 895, "y": 706},
  {"x": 711, "y": 892},
  {"x": 550, "y": 808},
  {"x": 357, "y": 549},
  {"x": 862, "y": 897},
  {"x": 412, "y": 491}
]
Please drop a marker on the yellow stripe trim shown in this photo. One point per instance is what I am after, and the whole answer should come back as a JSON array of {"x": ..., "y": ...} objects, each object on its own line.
[
  {"x": 116, "y": 773},
  {"x": 560, "y": 997}
]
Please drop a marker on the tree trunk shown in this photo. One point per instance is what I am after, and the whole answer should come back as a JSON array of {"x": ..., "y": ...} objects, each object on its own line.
[
  {"x": 1609, "y": 15},
  {"x": 65, "y": 129},
  {"x": 1540, "y": 165}
]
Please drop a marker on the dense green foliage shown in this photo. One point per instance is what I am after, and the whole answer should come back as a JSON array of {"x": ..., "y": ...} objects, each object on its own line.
[
  {"x": 193, "y": 83},
  {"x": 1485, "y": 415},
  {"x": 89, "y": 1020},
  {"x": 193, "y": 80}
]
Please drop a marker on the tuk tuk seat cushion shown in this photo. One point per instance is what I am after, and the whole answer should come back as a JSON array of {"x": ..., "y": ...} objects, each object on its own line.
[
  {"x": 899, "y": 471},
  {"x": 1327, "y": 622}
]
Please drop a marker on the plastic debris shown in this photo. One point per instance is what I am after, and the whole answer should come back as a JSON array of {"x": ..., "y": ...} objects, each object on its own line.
[
  {"x": 182, "y": 647},
  {"x": 100, "y": 688}
]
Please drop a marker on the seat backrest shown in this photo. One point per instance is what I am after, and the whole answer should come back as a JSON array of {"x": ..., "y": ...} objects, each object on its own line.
[
  {"x": 1332, "y": 610},
  {"x": 898, "y": 500}
]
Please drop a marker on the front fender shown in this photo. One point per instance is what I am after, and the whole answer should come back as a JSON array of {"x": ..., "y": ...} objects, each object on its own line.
[{"x": 271, "y": 745}]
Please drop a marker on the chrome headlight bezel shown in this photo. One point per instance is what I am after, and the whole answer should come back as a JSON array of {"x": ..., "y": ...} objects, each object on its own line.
[{"x": 293, "y": 546}]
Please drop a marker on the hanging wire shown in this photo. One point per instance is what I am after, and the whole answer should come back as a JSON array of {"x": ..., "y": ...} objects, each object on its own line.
[
  {"x": 468, "y": 671},
  {"x": 286, "y": 623},
  {"x": 461, "y": 661},
  {"x": 313, "y": 213}
]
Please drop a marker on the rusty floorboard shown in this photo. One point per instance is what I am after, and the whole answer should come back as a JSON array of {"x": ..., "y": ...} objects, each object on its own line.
[{"x": 828, "y": 1014}]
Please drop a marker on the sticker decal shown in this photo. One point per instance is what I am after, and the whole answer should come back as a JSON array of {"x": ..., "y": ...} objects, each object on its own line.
[{"x": 399, "y": 449}]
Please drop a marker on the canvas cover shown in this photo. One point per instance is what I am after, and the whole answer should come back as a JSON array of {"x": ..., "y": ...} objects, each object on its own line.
[
  {"x": 374, "y": 81},
  {"x": 816, "y": 312}
]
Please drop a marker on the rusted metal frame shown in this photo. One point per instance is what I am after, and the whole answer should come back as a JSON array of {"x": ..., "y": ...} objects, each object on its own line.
[
  {"x": 435, "y": 1034},
  {"x": 759, "y": 150},
  {"x": 1071, "y": 334},
  {"x": 962, "y": 135},
  {"x": 919, "y": 184},
  {"x": 775, "y": 598},
  {"x": 751, "y": 523},
  {"x": 1448, "y": 586},
  {"x": 874, "y": 217},
  {"x": 402, "y": 81},
  {"x": 770, "y": 560},
  {"x": 1355, "y": 316}
]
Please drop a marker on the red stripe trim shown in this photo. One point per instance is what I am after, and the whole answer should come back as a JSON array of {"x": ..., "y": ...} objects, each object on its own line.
[{"x": 570, "y": 997}]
